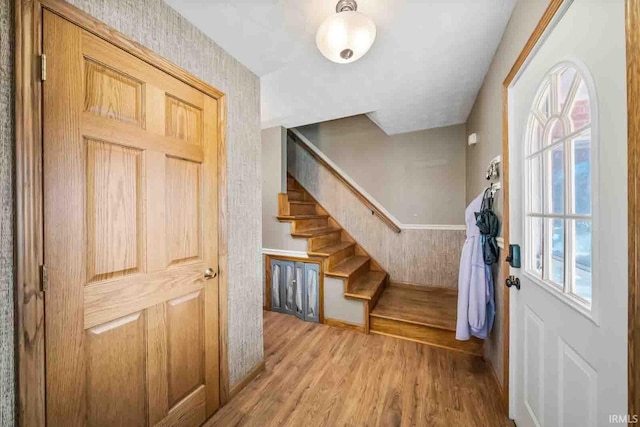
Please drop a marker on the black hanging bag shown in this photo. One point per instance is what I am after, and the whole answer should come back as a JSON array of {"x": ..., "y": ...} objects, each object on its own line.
[{"x": 489, "y": 226}]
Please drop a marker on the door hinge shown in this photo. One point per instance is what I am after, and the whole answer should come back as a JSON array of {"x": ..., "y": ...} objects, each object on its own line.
[
  {"x": 44, "y": 278},
  {"x": 43, "y": 67}
]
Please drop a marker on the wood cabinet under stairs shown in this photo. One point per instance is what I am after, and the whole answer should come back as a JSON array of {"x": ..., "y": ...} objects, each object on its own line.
[{"x": 422, "y": 314}]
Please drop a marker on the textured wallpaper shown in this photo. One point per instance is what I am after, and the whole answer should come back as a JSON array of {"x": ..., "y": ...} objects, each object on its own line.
[
  {"x": 7, "y": 377},
  {"x": 155, "y": 25},
  {"x": 421, "y": 257}
]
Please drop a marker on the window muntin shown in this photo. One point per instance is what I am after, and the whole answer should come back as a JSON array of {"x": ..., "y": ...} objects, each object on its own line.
[{"x": 559, "y": 174}]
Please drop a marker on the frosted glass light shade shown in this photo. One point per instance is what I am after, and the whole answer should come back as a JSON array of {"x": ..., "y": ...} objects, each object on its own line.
[{"x": 346, "y": 36}]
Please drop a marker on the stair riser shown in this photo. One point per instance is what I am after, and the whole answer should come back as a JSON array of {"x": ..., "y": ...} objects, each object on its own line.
[
  {"x": 360, "y": 271},
  {"x": 424, "y": 334},
  {"x": 296, "y": 195},
  {"x": 376, "y": 296},
  {"x": 339, "y": 256},
  {"x": 322, "y": 241},
  {"x": 309, "y": 224},
  {"x": 295, "y": 209}
]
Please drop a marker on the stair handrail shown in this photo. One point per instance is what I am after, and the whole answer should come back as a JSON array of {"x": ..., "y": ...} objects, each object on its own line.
[{"x": 360, "y": 193}]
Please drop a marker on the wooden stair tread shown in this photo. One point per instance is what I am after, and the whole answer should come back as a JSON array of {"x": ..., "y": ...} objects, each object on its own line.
[
  {"x": 428, "y": 335},
  {"x": 348, "y": 267},
  {"x": 331, "y": 249},
  {"x": 366, "y": 286},
  {"x": 301, "y": 217},
  {"x": 433, "y": 307},
  {"x": 301, "y": 202},
  {"x": 315, "y": 232}
]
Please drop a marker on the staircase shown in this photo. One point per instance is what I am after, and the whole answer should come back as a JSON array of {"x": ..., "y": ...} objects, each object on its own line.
[
  {"x": 420, "y": 314},
  {"x": 364, "y": 278}
]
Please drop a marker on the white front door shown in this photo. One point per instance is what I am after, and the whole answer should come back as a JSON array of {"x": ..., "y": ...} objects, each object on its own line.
[{"x": 568, "y": 207}]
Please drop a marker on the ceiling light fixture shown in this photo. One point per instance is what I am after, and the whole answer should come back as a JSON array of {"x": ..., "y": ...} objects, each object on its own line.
[{"x": 346, "y": 36}]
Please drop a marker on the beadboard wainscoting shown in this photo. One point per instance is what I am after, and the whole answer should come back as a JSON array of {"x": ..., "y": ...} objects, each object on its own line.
[{"x": 421, "y": 256}]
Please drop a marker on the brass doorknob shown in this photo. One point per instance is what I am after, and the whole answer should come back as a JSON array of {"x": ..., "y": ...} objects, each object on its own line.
[{"x": 210, "y": 274}]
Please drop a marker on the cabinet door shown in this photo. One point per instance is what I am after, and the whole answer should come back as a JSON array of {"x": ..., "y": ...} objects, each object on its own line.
[
  {"x": 311, "y": 292},
  {"x": 299, "y": 290},
  {"x": 277, "y": 278},
  {"x": 288, "y": 289}
]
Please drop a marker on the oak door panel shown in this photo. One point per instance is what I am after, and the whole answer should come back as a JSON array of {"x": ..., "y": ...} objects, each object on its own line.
[
  {"x": 129, "y": 173},
  {"x": 185, "y": 345},
  {"x": 183, "y": 208},
  {"x": 112, "y": 94},
  {"x": 116, "y": 380},
  {"x": 184, "y": 121},
  {"x": 114, "y": 210}
]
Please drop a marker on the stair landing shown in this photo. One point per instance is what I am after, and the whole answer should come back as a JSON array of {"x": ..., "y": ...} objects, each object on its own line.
[{"x": 423, "y": 315}]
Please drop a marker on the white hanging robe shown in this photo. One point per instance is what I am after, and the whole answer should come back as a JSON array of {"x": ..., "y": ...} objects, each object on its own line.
[{"x": 474, "y": 281}]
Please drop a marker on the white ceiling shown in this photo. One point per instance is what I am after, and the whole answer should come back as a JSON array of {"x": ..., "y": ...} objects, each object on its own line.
[{"x": 423, "y": 71}]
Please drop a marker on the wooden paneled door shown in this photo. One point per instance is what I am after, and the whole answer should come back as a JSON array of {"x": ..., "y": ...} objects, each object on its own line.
[{"x": 130, "y": 214}]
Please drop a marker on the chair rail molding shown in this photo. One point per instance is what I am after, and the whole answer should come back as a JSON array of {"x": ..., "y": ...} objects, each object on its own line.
[
  {"x": 283, "y": 252},
  {"x": 366, "y": 198}
]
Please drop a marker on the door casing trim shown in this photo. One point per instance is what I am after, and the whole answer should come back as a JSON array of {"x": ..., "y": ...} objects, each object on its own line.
[
  {"x": 29, "y": 299},
  {"x": 632, "y": 30},
  {"x": 632, "y": 19}
]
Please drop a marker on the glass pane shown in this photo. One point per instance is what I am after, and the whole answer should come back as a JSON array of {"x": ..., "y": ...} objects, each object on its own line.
[
  {"x": 544, "y": 104},
  {"x": 312, "y": 297},
  {"x": 582, "y": 261},
  {"x": 534, "y": 247},
  {"x": 555, "y": 131},
  {"x": 299, "y": 290},
  {"x": 275, "y": 287},
  {"x": 554, "y": 180},
  {"x": 289, "y": 288},
  {"x": 581, "y": 147},
  {"x": 565, "y": 80},
  {"x": 535, "y": 144},
  {"x": 535, "y": 184},
  {"x": 555, "y": 249},
  {"x": 581, "y": 110}
]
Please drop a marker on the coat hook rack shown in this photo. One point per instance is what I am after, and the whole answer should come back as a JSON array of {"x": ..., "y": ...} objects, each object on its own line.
[
  {"x": 493, "y": 171},
  {"x": 495, "y": 187}
]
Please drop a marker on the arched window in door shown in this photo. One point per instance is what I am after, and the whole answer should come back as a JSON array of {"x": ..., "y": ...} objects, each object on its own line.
[{"x": 559, "y": 176}]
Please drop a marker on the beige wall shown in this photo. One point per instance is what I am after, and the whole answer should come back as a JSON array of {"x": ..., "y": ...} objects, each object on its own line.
[
  {"x": 424, "y": 257},
  {"x": 276, "y": 235},
  {"x": 486, "y": 120},
  {"x": 419, "y": 177},
  {"x": 273, "y": 140}
]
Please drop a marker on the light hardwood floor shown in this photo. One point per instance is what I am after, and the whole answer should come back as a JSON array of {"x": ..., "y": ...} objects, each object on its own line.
[{"x": 317, "y": 375}]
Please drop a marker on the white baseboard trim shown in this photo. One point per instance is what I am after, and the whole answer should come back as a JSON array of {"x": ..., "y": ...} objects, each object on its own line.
[{"x": 282, "y": 252}]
